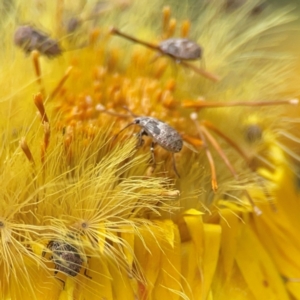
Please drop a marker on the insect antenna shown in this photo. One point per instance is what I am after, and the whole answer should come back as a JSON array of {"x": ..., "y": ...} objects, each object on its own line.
[
  {"x": 130, "y": 111},
  {"x": 115, "y": 31},
  {"x": 133, "y": 123}
]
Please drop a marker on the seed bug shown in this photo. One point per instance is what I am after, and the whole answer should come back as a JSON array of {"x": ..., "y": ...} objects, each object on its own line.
[
  {"x": 161, "y": 133},
  {"x": 253, "y": 133},
  {"x": 29, "y": 38},
  {"x": 180, "y": 49},
  {"x": 65, "y": 257}
]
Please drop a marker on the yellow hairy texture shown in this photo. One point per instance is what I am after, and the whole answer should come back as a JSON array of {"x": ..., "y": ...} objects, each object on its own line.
[{"x": 87, "y": 212}]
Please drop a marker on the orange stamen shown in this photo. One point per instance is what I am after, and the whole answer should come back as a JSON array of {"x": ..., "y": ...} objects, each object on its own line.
[
  {"x": 218, "y": 148},
  {"x": 204, "y": 104},
  {"x": 26, "y": 150},
  {"x": 38, "y": 101},
  {"x": 60, "y": 84},
  {"x": 185, "y": 28},
  {"x": 37, "y": 68}
]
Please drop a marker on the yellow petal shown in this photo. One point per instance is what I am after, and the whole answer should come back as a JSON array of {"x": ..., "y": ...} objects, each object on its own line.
[
  {"x": 258, "y": 269},
  {"x": 168, "y": 284},
  {"x": 100, "y": 284},
  {"x": 200, "y": 255},
  {"x": 212, "y": 240},
  {"x": 68, "y": 292},
  {"x": 294, "y": 289},
  {"x": 122, "y": 287},
  {"x": 231, "y": 228},
  {"x": 127, "y": 235},
  {"x": 148, "y": 254}
]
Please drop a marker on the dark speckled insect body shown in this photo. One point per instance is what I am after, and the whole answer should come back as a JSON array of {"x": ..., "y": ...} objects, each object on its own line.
[
  {"x": 161, "y": 133},
  {"x": 29, "y": 38},
  {"x": 177, "y": 48},
  {"x": 181, "y": 49},
  {"x": 65, "y": 257}
]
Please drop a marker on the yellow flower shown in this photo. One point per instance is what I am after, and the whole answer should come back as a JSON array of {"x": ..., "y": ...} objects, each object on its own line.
[{"x": 84, "y": 215}]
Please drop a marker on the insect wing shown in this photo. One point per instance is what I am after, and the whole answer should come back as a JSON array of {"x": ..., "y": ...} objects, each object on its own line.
[
  {"x": 65, "y": 257},
  {"x": 168, "y": 138},
  {"x": 181, "y": 49},
  {"x": 153, "y": 127}
]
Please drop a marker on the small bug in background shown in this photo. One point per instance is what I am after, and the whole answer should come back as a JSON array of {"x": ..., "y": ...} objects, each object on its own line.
[
  {"x": 179, "y": 49},
  {"x": 29, "y": 38},
  {"x": 66, "y": 258},
  {"x": 253, "y": 133},
  {"x": 161, "y": 133}
]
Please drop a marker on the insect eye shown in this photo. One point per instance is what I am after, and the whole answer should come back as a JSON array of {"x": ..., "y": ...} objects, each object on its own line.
[{"x": 137, "y": 121}]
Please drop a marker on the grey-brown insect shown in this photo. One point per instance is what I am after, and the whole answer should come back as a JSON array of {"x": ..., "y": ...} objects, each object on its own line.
[
  {"x": 29, "y": 38},
  {"x": 181, "y": 49},
  {"x": 65, "y": 257},
  {"x": 253, "y": 133},
  {"x": 73, "y": 24},
  {"x": 161, "y": 133},
  {"x": 177, "y": 48}
]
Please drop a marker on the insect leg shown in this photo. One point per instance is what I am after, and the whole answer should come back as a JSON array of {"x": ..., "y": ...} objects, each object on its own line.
[
  {"x": 133, "y": 39},
  {"x": 86, "y": 274},
  {"x": 49, "y": 247},
  {"x": 62, "y": 281},
  {"x": 86, "y": 270},
  {"x": 140, "y": 138},
  {"x": 174, "y": 165},
  {"x": 152, "y": 154}
]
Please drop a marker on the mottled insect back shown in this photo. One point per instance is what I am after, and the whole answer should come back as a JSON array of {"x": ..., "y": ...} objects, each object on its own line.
[
  {"x": 161, "y": 133},
  {"x": 179, "y": 49},
  {"x": 65, "y": 257},
  {"x": 183, "y": 49},
  {"x": 29, "y": 38}
]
